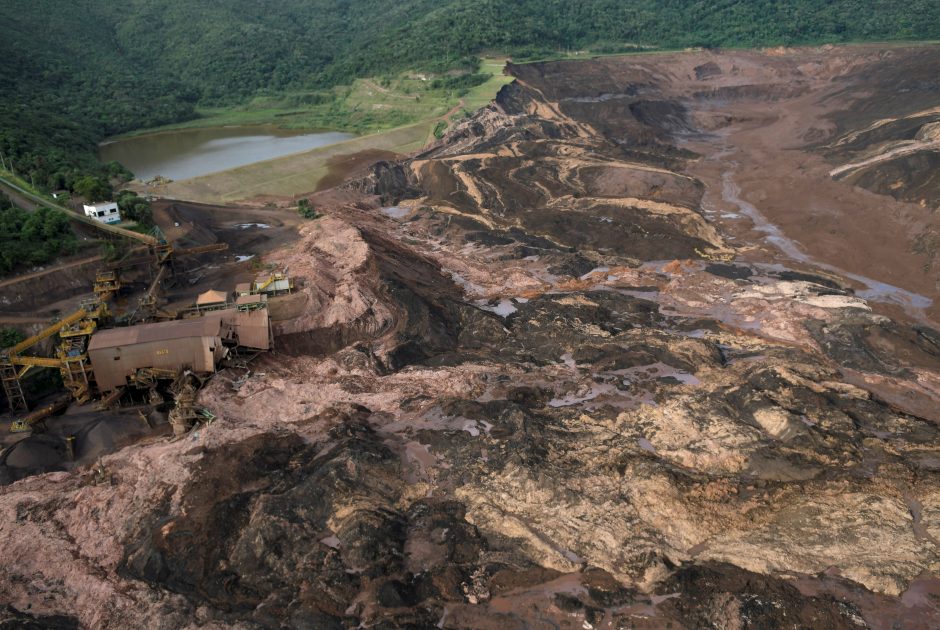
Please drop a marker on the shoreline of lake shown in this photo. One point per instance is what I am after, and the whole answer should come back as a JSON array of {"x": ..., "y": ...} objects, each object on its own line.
[{"x": 181, "y": 154}]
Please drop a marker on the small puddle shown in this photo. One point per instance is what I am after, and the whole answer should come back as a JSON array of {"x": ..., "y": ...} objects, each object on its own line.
[
  {"x": 331, "y": 541},
  {"x": 396, "y": 212},
  {"x": 657, "y": 370},
  {"x": 469, "y": 287},
  {"x": 504, "y": 308},
  {"x": 418, "y": 453},
  {"x": 573, "y": 399},
  {"x": 922, "y": 592},
  {"x": 510, "y": 602},
  {"x": 659, "y": 599}
]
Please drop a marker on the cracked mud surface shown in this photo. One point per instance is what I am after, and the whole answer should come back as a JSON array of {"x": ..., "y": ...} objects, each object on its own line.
[{"x": 535, "y": 379}]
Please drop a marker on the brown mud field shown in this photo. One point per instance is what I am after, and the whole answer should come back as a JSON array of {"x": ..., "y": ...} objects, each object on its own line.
[
  {"x": 249, "y": 231},
  {"x": 647, "y": 342},
  {"x": 246, "y": 230},
  {"x": 768, "y": 165}
]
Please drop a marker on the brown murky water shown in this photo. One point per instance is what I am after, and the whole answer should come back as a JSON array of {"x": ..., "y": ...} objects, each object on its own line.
[{"x": 193, "y": 152}]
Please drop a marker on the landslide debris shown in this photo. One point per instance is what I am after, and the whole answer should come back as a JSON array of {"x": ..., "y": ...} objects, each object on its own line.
[{"x": 525, "y": 381}]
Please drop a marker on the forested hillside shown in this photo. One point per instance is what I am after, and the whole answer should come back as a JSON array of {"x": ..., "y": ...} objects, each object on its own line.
[
  {"x": 32, "y": 238},
  {"x": 74, "y": 72}
]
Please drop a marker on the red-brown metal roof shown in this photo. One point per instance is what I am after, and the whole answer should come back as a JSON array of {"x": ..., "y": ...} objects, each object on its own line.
[
  {"x": 208, "y": 326},
  {"x": 212, "y": 297}
]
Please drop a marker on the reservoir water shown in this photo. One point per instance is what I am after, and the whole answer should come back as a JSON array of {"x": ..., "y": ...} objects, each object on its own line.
[{"x": 189, "y": 153}]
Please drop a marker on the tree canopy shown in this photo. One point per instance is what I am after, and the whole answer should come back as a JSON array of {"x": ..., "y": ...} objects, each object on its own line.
[
  {"x": 76, "y": 72},
  {"x": 30, "y": 238},
  {"x": 93, "y": 188}
]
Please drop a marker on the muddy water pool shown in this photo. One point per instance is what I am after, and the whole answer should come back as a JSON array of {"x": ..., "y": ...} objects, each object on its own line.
[{"x": 188, "y": 153}]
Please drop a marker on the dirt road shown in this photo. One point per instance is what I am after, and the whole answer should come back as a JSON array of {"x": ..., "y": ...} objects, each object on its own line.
[
  {"x": 18, "y": 200},
  {"x": 14, "y": 320},
  {"x": 54, "y": 269}
]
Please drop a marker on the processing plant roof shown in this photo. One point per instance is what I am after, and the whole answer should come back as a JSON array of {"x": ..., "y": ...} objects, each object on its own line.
[
  {"x": 211, "y": 297},
  {"x": 207, "y": 326}
]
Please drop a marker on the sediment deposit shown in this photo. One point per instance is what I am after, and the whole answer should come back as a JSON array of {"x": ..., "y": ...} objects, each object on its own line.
[{"x": 647, "y": 341}]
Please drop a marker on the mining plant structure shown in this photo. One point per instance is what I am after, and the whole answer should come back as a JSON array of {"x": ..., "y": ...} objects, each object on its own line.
[{"x": 76, "y": 329}]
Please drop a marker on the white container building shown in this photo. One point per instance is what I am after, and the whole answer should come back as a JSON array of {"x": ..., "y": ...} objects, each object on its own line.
[{"x": 106, "y": 212}]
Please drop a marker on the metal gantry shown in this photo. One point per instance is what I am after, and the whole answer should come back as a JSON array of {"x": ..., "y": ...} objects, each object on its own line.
[{"x": 71, "y": 356}]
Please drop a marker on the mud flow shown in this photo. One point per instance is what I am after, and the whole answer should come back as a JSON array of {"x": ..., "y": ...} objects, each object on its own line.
[{"x": 647, "y": 342}]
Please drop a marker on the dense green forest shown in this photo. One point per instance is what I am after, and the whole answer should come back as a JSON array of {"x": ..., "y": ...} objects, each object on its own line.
[
  {"x": 32, "y": 238},
  {"x": 74, "y": 72}
]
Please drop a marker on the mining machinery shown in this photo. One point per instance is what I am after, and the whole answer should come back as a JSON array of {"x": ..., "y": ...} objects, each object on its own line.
[
  {"x": 147, "y": 304},
  {"x": 276, "y": 279},
  {"x": 161, "y": 252},
  {"x": 71, "y": 357},
  {"x": 30, "y": 420},
  {"x": 107, "y": 285},
  {"x": 75, "y": 330},
  {"x": 163, "y": 255},
  {"x": 185, "y": 414}
]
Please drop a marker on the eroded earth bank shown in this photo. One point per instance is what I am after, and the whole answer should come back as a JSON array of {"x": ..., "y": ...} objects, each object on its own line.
[{"x": 648, "y": 341}]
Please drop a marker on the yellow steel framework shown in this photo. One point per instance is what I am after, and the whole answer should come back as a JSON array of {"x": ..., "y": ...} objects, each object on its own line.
[
  {"x": 27, "y": 422},
  {"x": 107, "y": 284},
  {"x": 76, "y": 329},
  {"x": 108, "y": 401},
  {"x": 11, "y": 386},
  {"x": 148, "y": 377},
  {"x": 48, "y": 332},
  {"x": 71, "y": 357},
  {"x": 274, "y": 277}
]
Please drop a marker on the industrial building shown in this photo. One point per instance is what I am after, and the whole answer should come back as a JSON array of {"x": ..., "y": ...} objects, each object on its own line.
[
  {"x": 106, "y": 212},
  {"x": 248, "y": 323},
  {"x": 109, "y": 363},
  {"x": 196, "y": 344},
  {"x": 274, "y": 284},
  {"x": 186, "y": 344},
  {"x": 211, "y": 300}
]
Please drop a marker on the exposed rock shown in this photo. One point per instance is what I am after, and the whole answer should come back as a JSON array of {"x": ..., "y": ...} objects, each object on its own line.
[{"x": 389, "y": 181}]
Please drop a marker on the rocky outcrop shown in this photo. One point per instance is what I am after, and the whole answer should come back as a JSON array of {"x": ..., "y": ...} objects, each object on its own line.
[{"x": 389, "y": 181}]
